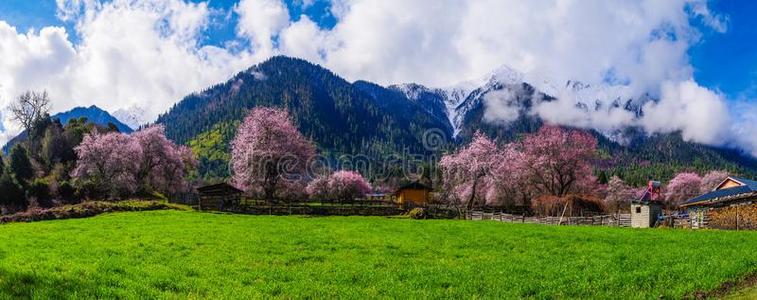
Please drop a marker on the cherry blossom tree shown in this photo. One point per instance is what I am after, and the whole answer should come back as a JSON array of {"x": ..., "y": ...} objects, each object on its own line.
[
  {"x": 682, "y": 187},
  {"x": 347, "y": 185},
  {"x": 318, "y": 188},
  {"x": 467, "y": 174},
  {"x": 341, "y": 185},
  {"x": 108, "y": 162},
  {"x": 267, "y": 151},
  {"x": 558, "y": 161},
  {"x": 118, "y": 164},
  {"x": 711, "y": 180},
  {"x": 619, "y": 194},
  {"x": 509, "y": 181},
  {"x": 162, "y": 164}
]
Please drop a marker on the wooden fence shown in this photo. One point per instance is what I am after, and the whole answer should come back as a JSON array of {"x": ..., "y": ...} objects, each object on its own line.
[{"x": 620, "y": 220}]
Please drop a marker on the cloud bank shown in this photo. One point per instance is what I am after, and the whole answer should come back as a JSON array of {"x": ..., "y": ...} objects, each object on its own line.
[{"x": 149, "y": 53}]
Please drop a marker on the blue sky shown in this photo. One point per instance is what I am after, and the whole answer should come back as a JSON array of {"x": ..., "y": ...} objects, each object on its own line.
[
  {"x": 697, "y": 57},
  {"x": 728, "y": 61}
]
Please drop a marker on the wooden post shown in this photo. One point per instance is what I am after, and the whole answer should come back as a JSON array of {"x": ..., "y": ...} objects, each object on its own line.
[{"x": 737, "y": 217}]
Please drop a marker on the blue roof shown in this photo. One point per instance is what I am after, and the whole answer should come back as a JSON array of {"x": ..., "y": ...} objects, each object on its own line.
[{"x": 749, "y": 186}]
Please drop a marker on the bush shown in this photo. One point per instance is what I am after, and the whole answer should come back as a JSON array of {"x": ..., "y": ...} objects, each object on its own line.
[
  {"x": 87, "y": 209},
  {"x": 67, "y": 193},
  {"x": 417, "y": 213},
  {"x": 39, "y": 190},
  {"x": 11, "y": 194}
]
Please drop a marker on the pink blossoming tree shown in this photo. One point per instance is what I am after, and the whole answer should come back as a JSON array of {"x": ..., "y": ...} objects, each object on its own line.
[
  {"x": 162, "y": 164},
  {"x": 341, "y": 185},
  {"x": 119, "y": 165},
  {"x": 711, "y": 180},
  {"x": 682, "y": 187},
  {"x": 268, "y": 152},
  {"x": 554, "y": 161},
  {"x": 347, "y": 185},
  {"x": 107, "y": 162},
  {"x": 619, "y": 194},
  {"x": 559, "y": 161},
  {"x": 467, "y": 174}
]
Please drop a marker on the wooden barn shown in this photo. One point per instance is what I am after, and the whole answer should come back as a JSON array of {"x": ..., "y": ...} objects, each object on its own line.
[
  {"x": 733, "y": 191},
  {"x": 413, "y": 193},
  {"x": 220, "y": 197}
]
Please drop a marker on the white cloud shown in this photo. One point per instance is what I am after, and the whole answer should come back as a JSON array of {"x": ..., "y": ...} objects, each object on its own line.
[
  {"x": 502, "y": 106},
  {"x": 261, "y": 21},
  {"x": 715, "y": 21},
  {"x": 147, "y": 52},
  {"x": 699, "y": 114},
  {"x": 131, "y": 53},
  {"x": 744, "y": 126}
]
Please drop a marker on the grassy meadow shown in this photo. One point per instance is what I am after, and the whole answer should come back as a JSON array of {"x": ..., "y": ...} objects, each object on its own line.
[{"x": 185, "y": 254}]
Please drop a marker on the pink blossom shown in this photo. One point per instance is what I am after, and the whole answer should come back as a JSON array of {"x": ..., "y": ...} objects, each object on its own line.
[
  {"x": 120, "y": 164},
  {"x": 341, "y": 185},
  {"x": 711, "y": 180},
  {"x": 107, "y": 162},
  {"x": 682, "y": 187},
  {"x": 267, "y": 151}
]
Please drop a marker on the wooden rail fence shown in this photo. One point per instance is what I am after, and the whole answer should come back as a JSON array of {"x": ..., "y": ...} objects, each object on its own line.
[{"x": 620, "y": 220}]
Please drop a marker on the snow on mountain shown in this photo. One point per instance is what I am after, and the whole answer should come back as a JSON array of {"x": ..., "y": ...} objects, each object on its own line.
[
  {"x": 132, "y": 116},
  {"x": 602, "y": 101}
]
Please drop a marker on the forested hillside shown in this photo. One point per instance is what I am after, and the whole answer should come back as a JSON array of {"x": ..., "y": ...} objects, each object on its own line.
[{"x": 375, "y": 121}]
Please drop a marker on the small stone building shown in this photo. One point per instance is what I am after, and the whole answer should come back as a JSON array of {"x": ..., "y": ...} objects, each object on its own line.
[
  {"x": 220, "y": 197},
  {"x": 415, "y": 193},
  {"x": 646, "y": 210}
]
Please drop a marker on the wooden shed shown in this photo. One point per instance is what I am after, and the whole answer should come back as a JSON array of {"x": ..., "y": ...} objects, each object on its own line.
[
  {"x": 221, "y": 196},
  {"x": 414, "y": 192}
]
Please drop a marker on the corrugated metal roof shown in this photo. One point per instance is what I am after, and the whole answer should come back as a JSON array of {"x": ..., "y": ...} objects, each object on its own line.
[{"x": 743, "y": 189}]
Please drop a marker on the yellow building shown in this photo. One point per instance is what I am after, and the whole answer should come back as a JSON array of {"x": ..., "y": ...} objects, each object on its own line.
[{"x": 413, "y": 193}]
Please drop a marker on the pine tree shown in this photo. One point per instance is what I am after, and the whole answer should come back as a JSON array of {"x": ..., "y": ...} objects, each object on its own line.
[
  {"x": 20, "y": 164},
  {"x": 602, "y": 178},
  {"x": 11, "y": 194}
]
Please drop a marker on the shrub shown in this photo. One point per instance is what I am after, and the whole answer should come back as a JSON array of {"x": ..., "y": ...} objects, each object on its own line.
[
  {"x": 417, "y": 213},
  {"x": 39, "y": 190},
  {"x": 67, "y": 193},
  {"x": 11, "y": 194},
  {"x": 87, "y": 209}
]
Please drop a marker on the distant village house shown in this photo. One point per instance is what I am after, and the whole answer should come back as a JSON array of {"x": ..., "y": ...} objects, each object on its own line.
[
  {"x": 219, "y": 196},
  {"x": 415, "y": 193},
  {"x": 733, "y": 191}
]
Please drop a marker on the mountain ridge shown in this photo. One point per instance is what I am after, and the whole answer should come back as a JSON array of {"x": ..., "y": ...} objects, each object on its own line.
[
  {"x": 93, "y": 114},
  {"x": 362, "y": 117}
]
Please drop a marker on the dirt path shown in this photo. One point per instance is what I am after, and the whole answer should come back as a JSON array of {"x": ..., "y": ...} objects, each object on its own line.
[{"x": 742, "y": 289}]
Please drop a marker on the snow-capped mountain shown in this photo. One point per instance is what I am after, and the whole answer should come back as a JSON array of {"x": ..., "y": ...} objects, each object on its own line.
[
  {"x": 509, "y": 92},
  {"x": 132, "y": 116}
]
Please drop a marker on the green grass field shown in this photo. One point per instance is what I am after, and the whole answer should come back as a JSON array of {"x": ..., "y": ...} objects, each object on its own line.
[{"x": 180, "y": 254}]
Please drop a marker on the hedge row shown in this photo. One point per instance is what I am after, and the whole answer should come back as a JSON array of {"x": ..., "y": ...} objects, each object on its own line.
[{"x": 87, "y": 209}]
